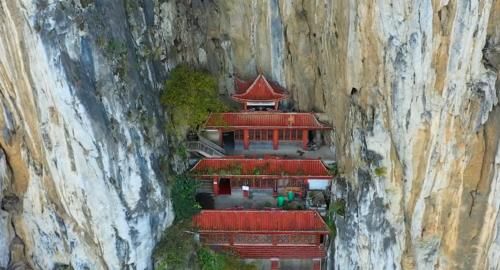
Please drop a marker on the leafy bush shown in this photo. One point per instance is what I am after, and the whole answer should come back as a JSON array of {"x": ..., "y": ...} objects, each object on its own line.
[
  {"x": 330, "y": 222},
  {"x": 338, "y": 207},
  {"x": 209, "y": 260},
  {"x": 380, "y": 171},
  {"x": 175, "y": 248},
  {"x": 190, "y": 95},
  {"x": 177, "y": 245},
  {"x": 183, "y": 194},
  {"x": 334, "y": 170}
]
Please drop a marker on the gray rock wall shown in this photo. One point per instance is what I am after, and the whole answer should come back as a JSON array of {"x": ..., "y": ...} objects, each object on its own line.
[
  {"x": 410, "y": 88},
  {"x": 82, "y": 135}
]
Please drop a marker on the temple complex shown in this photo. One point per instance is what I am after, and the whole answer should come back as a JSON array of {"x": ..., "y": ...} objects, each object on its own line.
[{"x": 264, "y": 206}]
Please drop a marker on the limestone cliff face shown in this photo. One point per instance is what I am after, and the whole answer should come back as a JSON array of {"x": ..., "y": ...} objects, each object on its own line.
[
  {"x": 410, "y": 88},
  {"x": 80, "y": 136}
]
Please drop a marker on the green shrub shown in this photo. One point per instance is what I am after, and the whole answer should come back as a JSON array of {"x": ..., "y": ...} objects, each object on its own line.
[
  {"x": 209, "y": 260},
  {"x": 175, "y": 248},
  {"x": 189, "y": 96},
  {"x": 330, "y": 222},
  {"x": 338, "y": 207},
  {"x": 334, "y": 170},
  {"x": 183, "y": 195},
  {"x": 380, "y": 171}
]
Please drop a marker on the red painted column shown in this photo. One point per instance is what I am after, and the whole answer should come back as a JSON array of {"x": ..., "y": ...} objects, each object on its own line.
[
  {"x": 246, "y": 139},
  {"x": 221, "y": 138},
  {"x": 216, "y": 185},
  {"x": 275, "y": 263},
  {"x": 276, "y": 136},
  {"x": 305, "y": 138},
  {"x": 316, "y": 264},
  {"x": 231, "y": 239}
]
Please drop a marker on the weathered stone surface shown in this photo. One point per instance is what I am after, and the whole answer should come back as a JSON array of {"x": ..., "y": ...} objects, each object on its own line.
[
  {"x": 409, "y": 86},
  {"x": 81, "y": 128}
]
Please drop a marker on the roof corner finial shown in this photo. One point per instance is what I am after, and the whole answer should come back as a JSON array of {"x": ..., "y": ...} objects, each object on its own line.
[{"x": 259, "y": 70}]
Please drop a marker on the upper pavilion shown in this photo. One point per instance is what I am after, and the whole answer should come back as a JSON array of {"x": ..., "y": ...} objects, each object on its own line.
[
  {"x": 258, "y": 94},
  {"x": 260, "y": 120}
]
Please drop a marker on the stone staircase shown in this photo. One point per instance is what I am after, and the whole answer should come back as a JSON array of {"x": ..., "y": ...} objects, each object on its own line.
[
  {"x": 205, "y": 187},
  {"x": 205, "y": 148}
]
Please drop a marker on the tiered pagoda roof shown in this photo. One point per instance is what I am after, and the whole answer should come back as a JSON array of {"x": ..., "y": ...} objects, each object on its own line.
[
  {"x": 266, "y": 168},
  {"x": 259, "y": 221},
  {"x": 263, "y": 120},
  {"x": 260, "y": 90}
]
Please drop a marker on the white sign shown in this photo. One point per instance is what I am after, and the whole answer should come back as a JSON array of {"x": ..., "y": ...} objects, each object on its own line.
[{"x": 318, "y": 184}]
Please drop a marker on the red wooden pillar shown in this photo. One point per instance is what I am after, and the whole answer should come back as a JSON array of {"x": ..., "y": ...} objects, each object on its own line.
[
  {"x": 231, "y": 239},
  {"x": 276, "y": 137},
  {"x": 275, "y": 263},
  {"x": 216, "y": 185},
  {"x": 316, "y": 264},
  {"x": 305, "y": 138},
  {"x": 221, "y": 138},
  {"x": 275, "y": 188},
  {"x": 246, "y": 139}
]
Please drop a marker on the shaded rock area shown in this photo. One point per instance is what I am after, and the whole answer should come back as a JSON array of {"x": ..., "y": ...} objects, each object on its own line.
[{"x": 410, "y": 86}]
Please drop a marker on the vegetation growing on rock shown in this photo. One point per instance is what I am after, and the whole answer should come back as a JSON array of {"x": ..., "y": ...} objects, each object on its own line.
[
  {"x": 178, "y": 249},
  {"x": 189, "y": 96},
  {"x": 183, "y": 195},
  {"x": 380, "y": 171},
  {"x": 209, "y": 260}
]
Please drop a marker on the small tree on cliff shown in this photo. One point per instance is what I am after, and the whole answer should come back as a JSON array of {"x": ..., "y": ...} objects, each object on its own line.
[{"x": 189, "y": 96}]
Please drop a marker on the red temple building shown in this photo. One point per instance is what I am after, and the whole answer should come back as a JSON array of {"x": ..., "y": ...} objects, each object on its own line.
[
  {"x": 274, "y": 235},
  {"x": 278, "y": 238},
  {"x": 276, "y": 174},
  {"x": 260, "y": 121}
]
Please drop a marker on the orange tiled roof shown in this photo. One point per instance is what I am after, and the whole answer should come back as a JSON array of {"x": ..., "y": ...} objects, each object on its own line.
[
  {"x": 264, "y": 120},
  {"x": 267, "y": 167},
  {"x": 259, "y": 90},
  {"x": 259, "y": 221}
]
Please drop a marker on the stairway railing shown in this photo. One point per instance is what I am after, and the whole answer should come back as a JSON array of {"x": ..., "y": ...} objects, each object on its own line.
[{"x": 205, "y": 147}]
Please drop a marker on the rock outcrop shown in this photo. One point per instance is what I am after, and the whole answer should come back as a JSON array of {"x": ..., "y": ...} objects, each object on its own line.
[
  {"x": 409, "y": 85},
  {"x": 81, "y": 136}
]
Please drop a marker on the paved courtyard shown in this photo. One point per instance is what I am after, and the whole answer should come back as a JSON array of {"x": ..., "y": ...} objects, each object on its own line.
[
  {"x": 288, "y": 150},
  {"x": 259, "y": 199}
]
